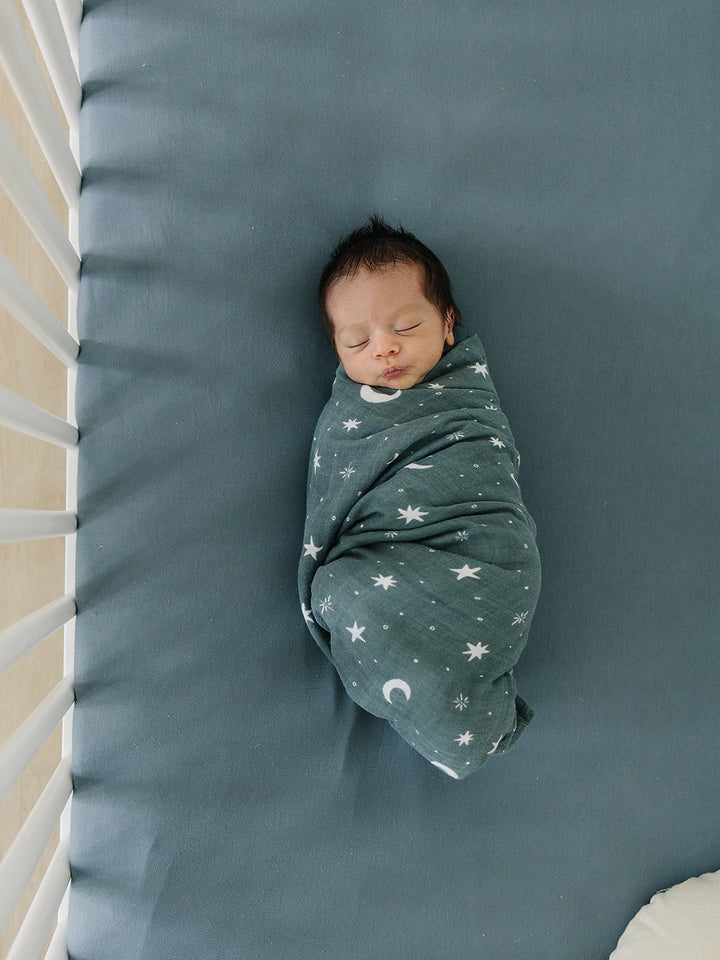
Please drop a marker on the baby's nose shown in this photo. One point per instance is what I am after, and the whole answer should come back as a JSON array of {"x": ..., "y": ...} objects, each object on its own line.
[{"x": 385, "y": 346}]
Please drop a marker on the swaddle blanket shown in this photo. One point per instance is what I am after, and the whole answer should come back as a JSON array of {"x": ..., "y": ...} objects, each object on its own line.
[{"x": 420, "y": 574}]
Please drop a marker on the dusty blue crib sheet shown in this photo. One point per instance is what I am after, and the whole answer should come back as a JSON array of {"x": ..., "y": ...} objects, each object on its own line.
[{"x": 231, "y": 801}]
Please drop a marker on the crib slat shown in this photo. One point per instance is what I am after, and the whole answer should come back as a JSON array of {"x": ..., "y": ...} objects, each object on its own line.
[
  {"x": 21, "y": 637},
  {"x": 26, "y": 80},
  {"x": 37, "y": 926},
  {"x": 45, "y": 21},
  {"x": 71, "y": 12},
  {"x": 27, "y": 418},
  {"x": 31, "y": 203},
  {"x": 18, "y": 525},
  {"x": 19, "y": 749},
  {"x": 26, "y": 849},
  {"x": 19, "y": 299},
  {"x": 58, "y": 945}
]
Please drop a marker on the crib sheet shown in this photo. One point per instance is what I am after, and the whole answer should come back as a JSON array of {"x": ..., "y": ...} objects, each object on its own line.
[{"x": 230, "y": 800}]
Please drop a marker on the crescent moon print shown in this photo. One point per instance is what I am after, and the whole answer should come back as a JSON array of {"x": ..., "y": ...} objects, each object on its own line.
[
  {"x": 396, "y": 685},
  {"x": 447, "y": 770},
  {"x": 372, "y": 396},
  {"x": 418, "y": 466}
]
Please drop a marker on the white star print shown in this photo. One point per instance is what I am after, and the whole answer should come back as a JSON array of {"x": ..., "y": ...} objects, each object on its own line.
[
  {"x": 436, "y": 386},
  {"x": 311, "y": 549},
  {"x": 357, "y": 632},
  {"x": 385, "y": 582},
  {"x": 326, "y": 604},
  {"x": 481, "y": 368},
  {"x": 316, "y": 462},
  {"x": 475, "y": 651},
  {"x": 464, "y": 739},
  {"x": 465, "y": 571},
  {"x": 455, "y": 436},
  {"x": 461, "y": 702},
  {"x": 347, "y": 471},
  {"x": 307, "y": 614},
  {"x": 461, "y": 535},
  {"x": 351, "y": 424},
  {"x": 520, "y": 618},
  {"x": 495, "y": 746},
  {"x": 497, "y": 442},
  {"x": 412, "y": 513}
]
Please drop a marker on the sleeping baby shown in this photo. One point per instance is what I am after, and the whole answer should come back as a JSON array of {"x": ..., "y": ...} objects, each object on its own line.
[{"x": 419, "y": 574}]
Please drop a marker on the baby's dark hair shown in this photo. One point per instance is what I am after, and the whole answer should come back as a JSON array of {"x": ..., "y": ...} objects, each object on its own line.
[{"x": 375, "y": 245}]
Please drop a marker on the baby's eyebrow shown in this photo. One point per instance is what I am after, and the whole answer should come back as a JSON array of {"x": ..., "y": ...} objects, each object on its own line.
[
  {"x": 402, "y": 311},
  {"x": 351, "y": 330}
]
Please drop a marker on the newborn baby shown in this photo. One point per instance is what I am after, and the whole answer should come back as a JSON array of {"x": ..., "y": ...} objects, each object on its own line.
[{"x": 420, "y": 574}]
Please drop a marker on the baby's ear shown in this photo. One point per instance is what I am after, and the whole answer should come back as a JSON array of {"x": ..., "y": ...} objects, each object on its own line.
[{"x": 449, "y": 325}]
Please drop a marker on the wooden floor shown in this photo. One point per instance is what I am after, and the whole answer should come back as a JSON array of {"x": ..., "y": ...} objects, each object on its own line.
[{"x": 32, "y": 475}]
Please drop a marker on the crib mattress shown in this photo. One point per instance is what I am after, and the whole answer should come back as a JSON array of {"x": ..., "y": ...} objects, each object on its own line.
[{"x": 230, "y": 800}]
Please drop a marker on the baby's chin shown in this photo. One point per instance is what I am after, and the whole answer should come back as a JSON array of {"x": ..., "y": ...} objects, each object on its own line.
[{"x": 386, "y": 384}]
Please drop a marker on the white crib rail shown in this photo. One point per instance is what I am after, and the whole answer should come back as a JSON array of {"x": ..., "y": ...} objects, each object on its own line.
[{"x": 54, "y": 25}]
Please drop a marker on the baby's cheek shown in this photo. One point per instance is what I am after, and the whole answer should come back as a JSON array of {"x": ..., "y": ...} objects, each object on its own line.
[{"x": 353, "y": 371}]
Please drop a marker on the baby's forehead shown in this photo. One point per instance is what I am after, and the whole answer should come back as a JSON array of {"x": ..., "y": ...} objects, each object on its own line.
[{"x": 390, "y": 285}]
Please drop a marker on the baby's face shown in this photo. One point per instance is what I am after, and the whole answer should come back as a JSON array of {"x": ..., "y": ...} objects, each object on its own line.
[{"x": 387, "y": 334}]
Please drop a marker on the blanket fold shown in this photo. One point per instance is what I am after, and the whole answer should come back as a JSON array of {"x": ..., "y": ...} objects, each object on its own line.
[{"x": 420, "y": 573}]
